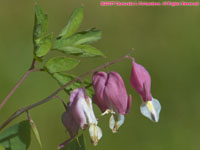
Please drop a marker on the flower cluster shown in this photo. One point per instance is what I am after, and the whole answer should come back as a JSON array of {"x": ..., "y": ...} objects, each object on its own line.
[{"x": 111, "y": 97}]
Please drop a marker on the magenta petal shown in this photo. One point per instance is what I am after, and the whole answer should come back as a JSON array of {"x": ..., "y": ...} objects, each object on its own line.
[
  {"x": 79, "y": 114},
  {"x": 75, "y": 107},
  {"x": 129, "y": 104},
  {"x": 99, "y": 103},
  {"x": 115, "y": 92},
  {"x": 141, "y": 81},
  {"x": 110, "y": 92},
  {"x": 99, "y": 82},
  {"x": 70, "y": 124},
  {"x": 76, "y": 94}
]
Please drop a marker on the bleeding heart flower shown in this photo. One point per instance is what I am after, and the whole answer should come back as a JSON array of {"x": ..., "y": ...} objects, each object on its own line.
[
  {"x": 79, "y": 114},
  {"x": 141, "y": 82},
  {"x": 111, "y": 97}
]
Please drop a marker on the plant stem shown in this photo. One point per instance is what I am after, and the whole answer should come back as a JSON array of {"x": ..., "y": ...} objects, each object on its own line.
[
  {"x": 22, "y": 110},
  {"x": 63, "y": 102},
  {"x": 32, "y": 68}
]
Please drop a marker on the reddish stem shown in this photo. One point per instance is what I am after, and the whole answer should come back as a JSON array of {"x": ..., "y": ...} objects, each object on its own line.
[{"x": 18, "y": 84}]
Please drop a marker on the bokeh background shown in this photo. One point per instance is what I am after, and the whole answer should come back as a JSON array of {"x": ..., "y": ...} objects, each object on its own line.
[{"x": 166, "y": 42}]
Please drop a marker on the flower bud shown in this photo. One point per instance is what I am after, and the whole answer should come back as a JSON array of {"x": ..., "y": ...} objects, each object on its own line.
[
  {"x": 80, "y": 114},
  {"x": 111, "y": 97},
  {"x": 141, "y": 82}
]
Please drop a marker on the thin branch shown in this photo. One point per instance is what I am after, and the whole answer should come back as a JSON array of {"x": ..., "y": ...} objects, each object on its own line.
[
  {"x": 63, "y": 102},
  {"x": 32, "y": 69},
  {"x": 22, "y": 110},
  {"x": 28, "y": 115},
  {"x": 33, "y": 64}
]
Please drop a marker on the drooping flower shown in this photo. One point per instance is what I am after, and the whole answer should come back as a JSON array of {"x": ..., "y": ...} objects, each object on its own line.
[
  {"x": 141, "y": 82},
  {"x": 111, "y": 97},
  {"x": 80, "y": 114}
]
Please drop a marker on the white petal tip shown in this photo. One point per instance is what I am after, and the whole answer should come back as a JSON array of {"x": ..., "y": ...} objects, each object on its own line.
[
  {"x": 151, "y": 109},
  {"x": 115, "y": 122},
  {"x": 95, "y": 134}
]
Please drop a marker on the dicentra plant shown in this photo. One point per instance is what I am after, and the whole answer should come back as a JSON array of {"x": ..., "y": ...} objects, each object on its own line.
[{"x": 106, "y": 89}]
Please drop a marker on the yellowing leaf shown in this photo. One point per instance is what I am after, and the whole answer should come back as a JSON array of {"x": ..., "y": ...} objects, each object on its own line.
[{"x": 35, "y": 131}]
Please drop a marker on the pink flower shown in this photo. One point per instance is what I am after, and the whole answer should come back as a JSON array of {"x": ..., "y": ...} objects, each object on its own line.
[
  {"x": 79, "y": 114},
  {"x": 111, "y": 96},
  {"x": 141, "y": 82}
]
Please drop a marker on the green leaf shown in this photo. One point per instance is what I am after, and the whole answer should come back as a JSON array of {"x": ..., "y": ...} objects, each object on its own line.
[
  {"x": 72, "y": 50},
  {"x": 41, "y": 40},
  {"x": 41, "y": 23},
  {"x": 76, "y": 144},
  {"x": 59, "y": 64},
  {"x": 43, "y": 45},
  {"x": 35, "y": 131},
  {"x": 90, "y": 51},
  {"x": 16, "y": 137},
  {"x": 82, "y": 51},
  {"x": 79, "y": 38},
  {"x": 73, "y": 24},
  {"x": 62, "y": 79}
]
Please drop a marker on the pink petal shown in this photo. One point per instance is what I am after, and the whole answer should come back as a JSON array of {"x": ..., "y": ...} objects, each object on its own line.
[
  {"x": 99, "y": 82},
  {"x": 76, "y": 94},
  {"x": 115, "y": 92},
  {"x": 129, "y": 104},
  {"x": 70, "y": 124},
  {"x": 141, "y": 81}
]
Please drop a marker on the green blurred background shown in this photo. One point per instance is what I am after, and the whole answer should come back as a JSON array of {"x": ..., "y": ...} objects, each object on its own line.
[{"x": 166, "y": 42}]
